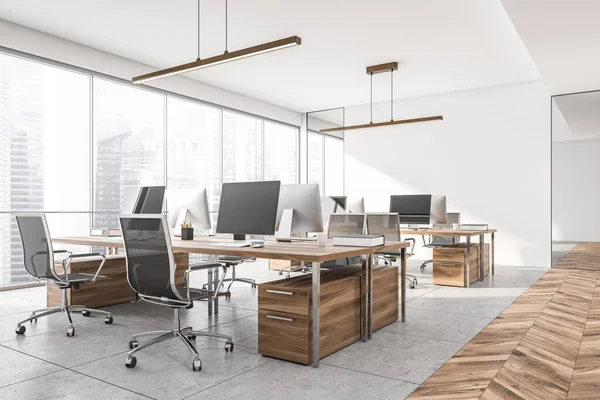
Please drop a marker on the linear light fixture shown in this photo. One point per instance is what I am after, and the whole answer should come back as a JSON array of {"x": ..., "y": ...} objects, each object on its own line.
[
  {"x": 221, "y": 59},
  {"x": 386, "y": 123},
  {"x": 377, "y": 69}
]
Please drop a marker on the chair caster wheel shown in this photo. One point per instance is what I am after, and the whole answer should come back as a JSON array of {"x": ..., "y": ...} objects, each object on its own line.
[
  {"x": 412, "y": 286},
  {"x": 228, "y": 296},
  {"x": 192, "y": 337},
  {"x": 415, "y": 281},
  {"x": 108, "y": 320},
  {"x": 197, "y": 365},
  {"x": 422, "y": 268},
  {"x": 131, "y": 362},
  {"x": 229, "y": 347},
  {"x": 254, "y": 286},
  {"x": 86, "y": 313},
  {"x": 133, "y": 343},
  {"x": 70, "y": 332},
  {"x": 280, "y": 273},
  {"x": 20, "y": 330}
]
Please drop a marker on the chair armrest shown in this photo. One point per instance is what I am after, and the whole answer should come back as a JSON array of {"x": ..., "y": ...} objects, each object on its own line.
[
  {"x": 202, "y": 266},
  {"x": 72, "y": 256},
  {"x": 61, "y": 251}
]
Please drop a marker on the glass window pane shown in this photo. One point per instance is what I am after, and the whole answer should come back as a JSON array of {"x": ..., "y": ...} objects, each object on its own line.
[
  {"x": 128, "y": 145},
  {"x": 281, "y": 153},
  {"x": 44, "y": 150},
  {"x": 315, "y": 159},
  {"x": 193, "y": 154},
  {"x": 242, "y": 148},
  {"x": 334, "y": 166}
]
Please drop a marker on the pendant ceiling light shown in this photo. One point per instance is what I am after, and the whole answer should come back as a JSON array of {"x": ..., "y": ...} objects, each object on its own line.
[
  {"x": 219, "y": 59},
  {"x": 376, "y": 69}
]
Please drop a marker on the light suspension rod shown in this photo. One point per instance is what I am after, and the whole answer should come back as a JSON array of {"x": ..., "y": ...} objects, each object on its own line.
[
  {"x": 378, "y": 124},
  {"x": 220, "y": 59}
]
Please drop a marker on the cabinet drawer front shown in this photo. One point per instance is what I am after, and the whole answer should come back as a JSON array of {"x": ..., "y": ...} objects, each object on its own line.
[
  {"x": 284, "y": 299},
  {"x": 450, "y": 254},
  {"x": 284, "y": 335},
  {"x": 453, "y": 274}
]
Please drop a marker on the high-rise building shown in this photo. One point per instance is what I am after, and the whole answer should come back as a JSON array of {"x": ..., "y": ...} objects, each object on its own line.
[{"x": 22, "y": 155}]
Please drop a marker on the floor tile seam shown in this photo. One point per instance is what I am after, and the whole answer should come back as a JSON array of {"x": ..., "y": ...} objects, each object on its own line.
[
  {"x": 370, "y": 373},
  {"x": 109, "y": 383},
  {"x": 228, "y": 379}
]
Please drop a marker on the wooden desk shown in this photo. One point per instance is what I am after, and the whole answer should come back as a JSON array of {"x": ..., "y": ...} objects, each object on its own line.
[
  {"x": 294, "y": 251},
  {"x": 468, "y": 234}
]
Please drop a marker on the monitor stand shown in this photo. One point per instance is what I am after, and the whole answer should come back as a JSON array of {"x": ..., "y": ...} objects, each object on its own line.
[
  {"x": 239, "y": 236},
  {"x": 284, "y": 233}
]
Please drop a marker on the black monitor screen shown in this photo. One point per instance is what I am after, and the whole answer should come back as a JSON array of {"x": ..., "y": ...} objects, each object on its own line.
[
  {"x": 411, "y": 205},
  {"x": 248, "y": 208},
  {"x": 150, "y": 200}
]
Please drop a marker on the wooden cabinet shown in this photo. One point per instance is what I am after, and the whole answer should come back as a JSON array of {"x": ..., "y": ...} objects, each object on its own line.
[
  {"x": 104, "y": 292},
  {"x": 385, "y": 292},
  {"x": 285, "y": 310},
  {"x": 450, "y": 268}
]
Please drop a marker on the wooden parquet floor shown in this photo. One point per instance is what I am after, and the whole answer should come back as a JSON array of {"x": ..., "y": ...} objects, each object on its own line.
[{"x": 544, "y": 346}]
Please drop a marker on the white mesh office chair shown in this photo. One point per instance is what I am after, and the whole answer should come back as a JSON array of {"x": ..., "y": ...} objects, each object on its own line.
[
  {"x": 39, "y": 261},
  {"x": 151, "y": 273},
  {"x": 442, "y": 241}
]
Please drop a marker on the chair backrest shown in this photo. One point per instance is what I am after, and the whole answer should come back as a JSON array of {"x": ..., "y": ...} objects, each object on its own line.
[
  {"x": 386, "y": 224},
  {"x": 346, "y": 224},
  {"x": 38, "y": 256},
  {"x": 451, "y": 218},
  {"x": 149, "y": 255}
]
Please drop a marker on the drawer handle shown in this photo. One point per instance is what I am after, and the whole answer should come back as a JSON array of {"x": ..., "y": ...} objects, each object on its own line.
[
  {"x": 280, "y": 292},
  {"x": 280, "y": 318},
  {"x": 447, "y": 251},
  {"x": 448, "y": 265}
]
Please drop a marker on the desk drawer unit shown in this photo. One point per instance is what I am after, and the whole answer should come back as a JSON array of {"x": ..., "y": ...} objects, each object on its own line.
[
  {"x": 285, "y": 310},
  {"x": 450, "y": 268}
]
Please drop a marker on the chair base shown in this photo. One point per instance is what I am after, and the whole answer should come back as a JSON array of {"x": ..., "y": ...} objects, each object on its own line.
[
  {"x": 67, "y": 310},
  {"x": 187, "y": 335},
  {"x": 425, "y": 264}
]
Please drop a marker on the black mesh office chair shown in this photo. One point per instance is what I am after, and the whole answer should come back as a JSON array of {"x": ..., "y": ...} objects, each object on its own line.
[
  {"x": 39, "y": 261},
  {"x": 388, "y": 225},
  {"x": 436, "y": 242},
  {"x": 151, "y": 273}
]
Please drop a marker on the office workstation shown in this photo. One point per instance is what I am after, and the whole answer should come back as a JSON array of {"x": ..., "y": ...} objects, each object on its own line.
[{"x": 293, "y": 200}]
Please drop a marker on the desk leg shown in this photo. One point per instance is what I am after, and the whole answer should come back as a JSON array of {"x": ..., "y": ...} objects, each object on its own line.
[
  {"x": 216, "y": 287},
  {"x": 364, "y": 291},
  {"x": 468, "y": 261},
  {"x": 481, "y": 256},
  {"x": 493, "y": 253},
  {"x": 316, "y": 312},
  {"x": 370, "y": 296},
  {"x": 209, "y": 280},
  {"x": 403, "y": 284}
]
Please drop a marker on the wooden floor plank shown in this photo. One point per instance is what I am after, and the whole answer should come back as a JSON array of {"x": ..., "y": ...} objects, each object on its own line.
[{"x": 546, "y": 345}]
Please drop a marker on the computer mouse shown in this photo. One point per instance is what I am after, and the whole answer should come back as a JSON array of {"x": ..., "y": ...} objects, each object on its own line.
[{"x": 257, "y": 245}]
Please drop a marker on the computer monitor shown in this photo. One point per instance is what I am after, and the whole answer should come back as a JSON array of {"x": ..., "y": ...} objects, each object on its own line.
[
  {"x": 332, "y": 204},
  {"x": 130, "y": 196},
  {"x": 438, "y": 209},
  {"x": 299, "y": 210},
  {"x": 248, "y": 208},
  {"x": 412, "y": 209},
  {"x": 189, "y": 206},
  {"x": 150, "y": 200}
]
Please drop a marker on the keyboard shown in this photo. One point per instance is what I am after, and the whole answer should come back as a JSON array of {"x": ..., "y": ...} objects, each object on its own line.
[{"x": 232, "y": 244}]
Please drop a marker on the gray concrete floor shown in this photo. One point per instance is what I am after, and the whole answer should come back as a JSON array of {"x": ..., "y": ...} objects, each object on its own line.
[
  {"x": 45, "y": 364},
  {"x": 560, "y": 249}
]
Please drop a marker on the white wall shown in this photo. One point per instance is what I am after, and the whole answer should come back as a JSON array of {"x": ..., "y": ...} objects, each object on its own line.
[
  {"x": 490, "y": 156},
  {"x": 576, "y": 191},
  {"x": 34, "y": 42}
]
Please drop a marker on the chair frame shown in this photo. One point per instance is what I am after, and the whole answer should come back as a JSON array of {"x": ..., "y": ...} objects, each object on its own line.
[
  {"x": 61, "y": 282},
  {"x": 430, "y": 245},
  {"x": 187, "y": 335}
]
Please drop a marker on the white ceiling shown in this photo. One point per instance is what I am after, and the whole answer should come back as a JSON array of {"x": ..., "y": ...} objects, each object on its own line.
[
  {"x": 441, "y": 45},
  {"x": 562, "y": 37},
  {"x": 576, "y": 117}
]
